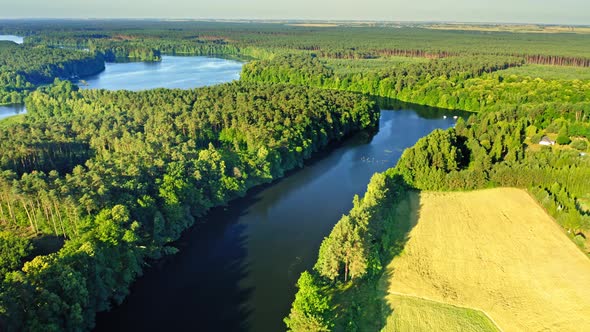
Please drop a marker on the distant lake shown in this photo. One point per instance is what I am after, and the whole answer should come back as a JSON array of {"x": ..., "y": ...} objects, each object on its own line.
[
  {"x": 16, "y": 39},
  {"x": 182, "y": 72},
  {"x": 10, "y": 110}
]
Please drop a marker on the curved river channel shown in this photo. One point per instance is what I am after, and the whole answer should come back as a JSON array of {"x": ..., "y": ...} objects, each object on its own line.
[{"x": 236, "y": 271}]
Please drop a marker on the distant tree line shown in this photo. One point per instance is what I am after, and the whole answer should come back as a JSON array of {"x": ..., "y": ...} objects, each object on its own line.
[{"x": 466, "y": 83}]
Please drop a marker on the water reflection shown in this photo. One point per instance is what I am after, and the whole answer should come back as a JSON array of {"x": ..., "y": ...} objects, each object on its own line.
[
  {"x": 13, "y": 38},
  {"x": 10, "y": 110},
  {"x": 238, "y": 271},
  {"x": 182, "y": 72}
]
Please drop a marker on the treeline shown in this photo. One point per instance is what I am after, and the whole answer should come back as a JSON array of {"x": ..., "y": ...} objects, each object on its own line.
[
  {"x": 22, "y": 68},
  {"x": 144, "y": 166},
  {"x": 497, "y": 147},
  {"x": 350, "y": 42},
  {"x": 558, "y": 60},
  {"x": 377, "y": 53},
  {"x": 194, "y": 46},
  {"x": 124, "y": 48},
  {"x": 472, "y": 84},
  {"x": 397, "y": 83},
  {"x": 357, "y": 249},
  {"x": 488, "y": 150},
  {"x": 126, "y": 52}
]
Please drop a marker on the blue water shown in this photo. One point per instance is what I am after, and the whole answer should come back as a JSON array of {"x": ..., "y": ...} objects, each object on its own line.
[
  {"x": 16, "y": 39},
  {"x": 237, "y": 271},
  {"x": 182, "y": 72},
  {"x": 10, "y": 110}
]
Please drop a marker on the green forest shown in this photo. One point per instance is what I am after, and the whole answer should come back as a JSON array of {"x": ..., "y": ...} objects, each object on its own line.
[
  {"x": 95, "y": 183},
  {"x": 23, "y": 68},
  {"x": 118, "y": 183}
]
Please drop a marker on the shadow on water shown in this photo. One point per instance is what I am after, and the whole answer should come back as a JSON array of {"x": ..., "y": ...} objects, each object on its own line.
[
  {"x": 425, "y": 112},
  {"x": 212, "y": 266},
  {"x": 237, "y": 269},
  {"x": 198, "y": 290}
]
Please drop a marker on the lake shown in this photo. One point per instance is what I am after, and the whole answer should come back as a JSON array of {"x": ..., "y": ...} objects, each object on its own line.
[
  {"x": 182, "y": 72},
  {"x": 16, "y": 39},
  {"x": 237, "y": 270},
  {"x": 10, "y": 110}
]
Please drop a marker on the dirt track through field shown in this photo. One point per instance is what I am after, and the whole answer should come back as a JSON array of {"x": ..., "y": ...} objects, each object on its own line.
[{"x": 499, "y": 252}]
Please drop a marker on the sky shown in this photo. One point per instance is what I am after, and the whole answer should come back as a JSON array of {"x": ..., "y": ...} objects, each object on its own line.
[{"x": 501, "y": 11}]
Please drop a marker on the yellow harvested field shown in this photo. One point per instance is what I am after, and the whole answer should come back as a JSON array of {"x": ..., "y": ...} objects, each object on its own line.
[
  {"x": 496, "y": 251},
  {"x": 516, "y": 28}
]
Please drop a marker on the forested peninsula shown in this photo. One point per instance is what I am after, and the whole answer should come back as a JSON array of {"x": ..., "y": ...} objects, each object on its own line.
[{"x": 23, "y": 68}]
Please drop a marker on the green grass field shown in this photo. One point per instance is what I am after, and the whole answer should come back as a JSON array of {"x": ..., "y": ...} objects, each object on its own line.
[
  {"x": 549, "y": 72},
  {"x": 345, "y": 66},
  {"x": 11, "y": 120},
  {"x": 414, "y": 314}
]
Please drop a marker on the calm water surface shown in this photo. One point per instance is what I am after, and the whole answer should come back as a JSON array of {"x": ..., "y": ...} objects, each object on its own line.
[
  {"x": 182, "y": 72},
  {"x": 16, "y": 39},
  {"x": 237, "y": 272},
  {"x": 10, "y": 110}
]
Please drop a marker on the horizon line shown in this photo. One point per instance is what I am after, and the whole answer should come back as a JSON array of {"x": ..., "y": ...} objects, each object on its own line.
[{"x": 283, "y": 20}]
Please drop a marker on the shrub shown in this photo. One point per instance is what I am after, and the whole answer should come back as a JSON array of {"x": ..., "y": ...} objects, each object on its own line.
[
  {"x": 562, "y": 137},
  {"x": 535, "y": 139},
  {"x": 579, "y": 144}
]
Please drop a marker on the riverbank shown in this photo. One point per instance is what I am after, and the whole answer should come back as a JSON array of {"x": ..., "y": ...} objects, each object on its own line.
[
  {"x": 177, "y": 187},
  {"x": 248, "y": 255}
]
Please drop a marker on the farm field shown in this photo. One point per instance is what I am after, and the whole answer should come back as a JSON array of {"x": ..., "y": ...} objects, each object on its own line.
[
  {"x": 492, "y": 250},
  {"x": 517, "y": 28},
  {"x": 347, "y": 66},
  {"x": 420, "y": 315},
  {"x": 548, "y": 72}
]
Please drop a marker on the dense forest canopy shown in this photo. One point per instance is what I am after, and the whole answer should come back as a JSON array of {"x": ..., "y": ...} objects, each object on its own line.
[
  {"x": 500, "y": 146},
  {"x": 23, "y": 67},
  {"x": 340, "y": 41},
  {"x": 490, "y": 149},
  {"x": 119, "y": 175},
  {"x": 261, "y": 34}
]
